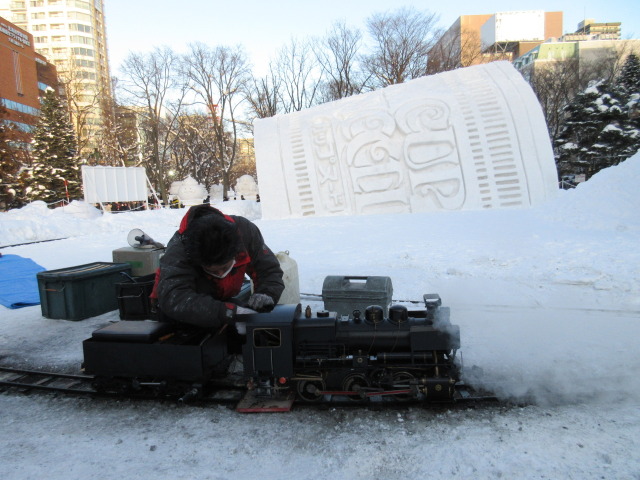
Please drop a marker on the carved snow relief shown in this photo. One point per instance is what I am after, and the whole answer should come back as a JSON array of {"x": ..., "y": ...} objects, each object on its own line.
[{"x": 467, "y": 139}]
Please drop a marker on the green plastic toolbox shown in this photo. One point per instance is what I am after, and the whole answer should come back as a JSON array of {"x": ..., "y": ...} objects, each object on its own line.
[{"x": 80, "y": 292}]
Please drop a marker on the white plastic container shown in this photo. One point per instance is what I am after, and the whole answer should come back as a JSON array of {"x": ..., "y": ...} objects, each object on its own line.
[{"x": 291, "y": 294}]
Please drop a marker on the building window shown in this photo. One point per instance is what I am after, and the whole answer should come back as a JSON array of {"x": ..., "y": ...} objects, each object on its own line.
[
  {"x": 83, "y": 40},
  {"x": 79, "y": 4},
  {"x": 19, "y": 107},
  {"x": 79, "y": 16},
  {"x": 56, "y": 14},
  {"x": 58, "y": 38},
  {"x": 57, "y": 26},
  {"x": 37, "y": 15},
  {"x": 18, "y": 5},
  {"x": 85, "y": 63},
  {"x": 39, "y": 28},
  {"x": 17, "y": 72},
  {"x": 19, "y": 17},
  {"x": 40, "y": 39},
  {"x": 78, "y": 27},
  {"x": 86, "y": 75},
  {"x": 87, "y": 52},
  {"x": 37, "y": 3}
]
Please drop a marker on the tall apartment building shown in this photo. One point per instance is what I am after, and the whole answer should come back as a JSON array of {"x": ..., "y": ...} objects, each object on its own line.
[
  {"x": 24, "y": 76},
  {"x": 72, "y": 35},
  {"x": 475, "y": 39}
]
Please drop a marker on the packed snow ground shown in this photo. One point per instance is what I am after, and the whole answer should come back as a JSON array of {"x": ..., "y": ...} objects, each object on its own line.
[{"x": 547, "y": 299}]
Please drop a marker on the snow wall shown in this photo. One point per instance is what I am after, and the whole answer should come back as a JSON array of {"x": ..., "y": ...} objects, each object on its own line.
[{"x": 467, "y": 139}]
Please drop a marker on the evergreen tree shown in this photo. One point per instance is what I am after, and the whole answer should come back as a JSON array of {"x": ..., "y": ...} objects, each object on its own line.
[
  {"x": 596, "y": 132},
  {"x": 55, "y": 172},
  {"x": 8, "y": 166},
  {"x": 13, "y": 154},
  {"x": 629, "y": 80},
  {"x": 629, "y": 77}
]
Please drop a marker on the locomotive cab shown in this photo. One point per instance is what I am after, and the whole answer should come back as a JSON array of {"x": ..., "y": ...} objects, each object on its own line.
[{"x": 268, "y": 352}]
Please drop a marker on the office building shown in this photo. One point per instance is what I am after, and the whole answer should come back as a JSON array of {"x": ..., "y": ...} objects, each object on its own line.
[
  {"x": 71, "y": 34},
  {"x": 475, "y": 39},
  {"x": 25, "y": 76}
]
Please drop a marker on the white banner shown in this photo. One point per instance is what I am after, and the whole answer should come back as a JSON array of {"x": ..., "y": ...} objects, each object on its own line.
[{"x": 114, "y": 184}]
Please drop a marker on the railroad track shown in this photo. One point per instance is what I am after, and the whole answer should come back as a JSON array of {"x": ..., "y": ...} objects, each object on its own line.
[
  {"x": 221, "y": 393},
  {"x": 49, "y": 381}
]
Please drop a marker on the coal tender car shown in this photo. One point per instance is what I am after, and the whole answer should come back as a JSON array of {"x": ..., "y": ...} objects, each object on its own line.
[{"x": 287, "y": 354}]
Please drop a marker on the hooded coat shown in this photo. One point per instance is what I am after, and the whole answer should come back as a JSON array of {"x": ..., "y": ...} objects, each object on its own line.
[{"x": 187, "y": 294}]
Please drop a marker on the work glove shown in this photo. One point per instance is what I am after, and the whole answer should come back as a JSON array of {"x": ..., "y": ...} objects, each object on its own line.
[
  {"x": 260, "y": 302},
  {"x": 241, "y": 327},
  {"x": 245, "y": 311}
]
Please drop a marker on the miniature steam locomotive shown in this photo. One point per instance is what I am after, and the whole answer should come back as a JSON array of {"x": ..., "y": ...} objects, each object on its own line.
[{"x": 287, "y": 353}]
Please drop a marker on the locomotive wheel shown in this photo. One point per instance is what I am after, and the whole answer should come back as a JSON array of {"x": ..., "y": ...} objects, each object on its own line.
[
  {"x": 355, "y": 382},
  {"x": 309, "y": 390},
  {"x": 402, "y": 380}
]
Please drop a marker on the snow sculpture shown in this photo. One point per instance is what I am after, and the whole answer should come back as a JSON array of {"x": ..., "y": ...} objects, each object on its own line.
[
  {"x": 191, "y": 192},
  {"x": 175, "y": 187},
  {"x": 216, "y": 193},
  {"x": 466, "y": 139},
  {"x": 246, "y": 186}
]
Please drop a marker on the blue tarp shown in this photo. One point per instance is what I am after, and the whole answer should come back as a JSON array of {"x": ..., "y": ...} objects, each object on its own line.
[{"x": 18, "y": 281}]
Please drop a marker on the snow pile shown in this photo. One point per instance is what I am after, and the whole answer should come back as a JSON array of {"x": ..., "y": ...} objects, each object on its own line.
[
  {"x": 35, "y": 222},
  {"x": 608, "y": 201}
]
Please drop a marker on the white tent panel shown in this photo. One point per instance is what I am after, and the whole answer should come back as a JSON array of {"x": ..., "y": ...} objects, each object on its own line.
[{"x": 114, "y": 184}]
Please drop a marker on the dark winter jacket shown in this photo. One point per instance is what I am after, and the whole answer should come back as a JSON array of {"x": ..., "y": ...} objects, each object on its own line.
[{"x": 187, "y": 294}]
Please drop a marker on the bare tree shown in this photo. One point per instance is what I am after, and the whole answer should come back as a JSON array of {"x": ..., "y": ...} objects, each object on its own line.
[
  {"x": 152, "y": 86},
  {"x": 193, "y": 149},
  {"x": 402, "y": 40},
  {"x": 599, "y": 66},
  {"x": 264, "y": 95},
  {"x": 455, "y": 48},
  {"x": 113, "y": 142},
  {"x": 337, "y": 54},
  {"x": 555, "y": 83},
  {"x": 300, "y": 79},
  {"x": 83, "y": 102},
  {"x": 218, "y": 77}
]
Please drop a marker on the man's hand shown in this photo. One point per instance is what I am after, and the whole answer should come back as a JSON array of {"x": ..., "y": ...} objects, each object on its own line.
[{"x": 260, "y": 302}]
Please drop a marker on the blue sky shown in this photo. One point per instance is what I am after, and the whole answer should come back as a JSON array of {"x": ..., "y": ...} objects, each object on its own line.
[{"x": 263, "y": 26}]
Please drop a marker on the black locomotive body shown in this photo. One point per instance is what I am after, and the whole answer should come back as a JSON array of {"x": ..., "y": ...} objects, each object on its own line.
[{"x": 316, "y": 356}]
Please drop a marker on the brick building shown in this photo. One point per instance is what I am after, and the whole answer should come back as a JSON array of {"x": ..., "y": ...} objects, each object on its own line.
[{"x": 24, "y": 75}]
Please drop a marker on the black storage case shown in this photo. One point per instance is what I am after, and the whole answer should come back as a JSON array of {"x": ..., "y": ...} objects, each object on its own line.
[
  {"x": 80, "y": 292},
  {"x": 133, "y": 297}
]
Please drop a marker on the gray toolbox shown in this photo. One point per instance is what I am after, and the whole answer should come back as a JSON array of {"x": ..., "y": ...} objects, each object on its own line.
[{"x": 344, "y": 294}]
